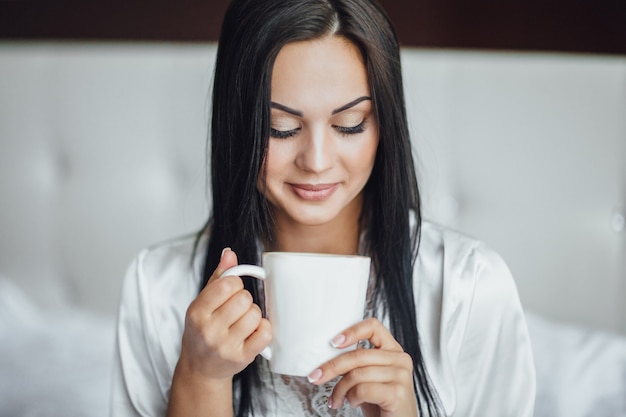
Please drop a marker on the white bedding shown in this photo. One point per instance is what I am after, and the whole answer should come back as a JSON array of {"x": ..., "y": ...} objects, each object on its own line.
[
  {"x": 580, "y": 372},
  {"x": 58, "y": 364},
  {"x": 52, "y": 364}
]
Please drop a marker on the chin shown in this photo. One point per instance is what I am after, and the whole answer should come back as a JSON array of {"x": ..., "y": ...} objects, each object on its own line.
[
  {"x": 313, "y": 220},
  {"x": 313, "y": 217}
]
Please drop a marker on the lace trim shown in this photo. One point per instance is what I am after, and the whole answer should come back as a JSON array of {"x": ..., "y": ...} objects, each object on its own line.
[{"x": 297, "y": 396}]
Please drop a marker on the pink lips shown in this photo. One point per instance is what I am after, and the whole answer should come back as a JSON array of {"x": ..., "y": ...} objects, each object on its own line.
[{"x": 314, "y": 192}]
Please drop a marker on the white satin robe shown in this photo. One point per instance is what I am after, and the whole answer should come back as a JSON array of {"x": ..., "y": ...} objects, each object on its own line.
[{"x": 474, "y": 337}]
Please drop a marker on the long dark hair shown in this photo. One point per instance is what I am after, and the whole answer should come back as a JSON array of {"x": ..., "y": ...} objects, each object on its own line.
[{"x": 253, "y": 33}]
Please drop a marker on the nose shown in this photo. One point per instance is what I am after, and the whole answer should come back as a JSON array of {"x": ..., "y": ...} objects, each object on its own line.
[{"x": 316, "y": 152}]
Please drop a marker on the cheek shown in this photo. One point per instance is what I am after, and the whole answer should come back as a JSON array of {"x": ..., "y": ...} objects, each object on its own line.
[
  {"x": 270, "y": 165},
  {"x": 265, "y": 174},
  {"x": 275, "y": 165},
  {"x": 367, "y": 154},
  {"x": 280, "y": 156}
]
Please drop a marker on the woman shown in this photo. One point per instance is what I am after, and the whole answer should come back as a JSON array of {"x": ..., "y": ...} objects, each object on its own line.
[{"x": 310, "y": 152}]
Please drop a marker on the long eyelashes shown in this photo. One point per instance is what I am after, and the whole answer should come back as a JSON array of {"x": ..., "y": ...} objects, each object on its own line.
[
  {"x": 352, "y": 130},
  {"x": 283, "y": 134},
  {"x": 344, "y": 130}
]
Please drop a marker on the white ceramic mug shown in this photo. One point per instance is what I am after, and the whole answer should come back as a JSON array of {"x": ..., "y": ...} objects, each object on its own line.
[{"x": 310, "y": 298}]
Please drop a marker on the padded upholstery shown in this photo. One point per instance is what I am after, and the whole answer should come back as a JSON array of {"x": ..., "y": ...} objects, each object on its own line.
[
  {"x": 102, "y": 153},
  {"x": 102, "y": 150}
]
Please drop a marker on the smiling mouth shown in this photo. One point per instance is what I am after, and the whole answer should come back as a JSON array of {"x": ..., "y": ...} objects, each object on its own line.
[{"x": 314, "y": 192}]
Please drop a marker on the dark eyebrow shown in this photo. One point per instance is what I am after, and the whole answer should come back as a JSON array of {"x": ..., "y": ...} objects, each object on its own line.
[
  {"x": 287, "y": 109},
  {"x": 338, "y": 110},
  {"x": 351, "y": 104}
]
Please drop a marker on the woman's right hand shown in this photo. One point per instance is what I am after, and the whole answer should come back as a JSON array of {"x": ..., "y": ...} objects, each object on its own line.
[
  {"x": 224, "y": 328},
  {"x": 224, "y": 332}
]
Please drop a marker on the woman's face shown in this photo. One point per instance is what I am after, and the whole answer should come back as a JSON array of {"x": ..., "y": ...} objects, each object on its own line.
[{"x": 324, "y": 134}]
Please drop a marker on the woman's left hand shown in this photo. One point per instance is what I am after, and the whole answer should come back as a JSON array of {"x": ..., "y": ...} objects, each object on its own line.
[{"x": 379, "y": 380}]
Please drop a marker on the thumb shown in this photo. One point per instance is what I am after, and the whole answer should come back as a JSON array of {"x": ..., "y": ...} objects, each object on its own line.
[{"x": 227, "y": 260}]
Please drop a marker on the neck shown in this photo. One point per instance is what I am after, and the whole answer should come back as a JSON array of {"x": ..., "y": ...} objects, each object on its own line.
[{"x": 339, "y": 236}]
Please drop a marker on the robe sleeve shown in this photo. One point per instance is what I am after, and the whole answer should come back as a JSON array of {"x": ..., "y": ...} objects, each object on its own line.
[{"x": 136, "y": 387}]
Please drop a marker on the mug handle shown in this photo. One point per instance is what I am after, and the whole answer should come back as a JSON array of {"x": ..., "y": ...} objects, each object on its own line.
[{"x": 253, "y": 271}]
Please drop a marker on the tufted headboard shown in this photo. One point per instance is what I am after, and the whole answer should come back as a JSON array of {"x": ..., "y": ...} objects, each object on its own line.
[{"x": 102, "y": 152}]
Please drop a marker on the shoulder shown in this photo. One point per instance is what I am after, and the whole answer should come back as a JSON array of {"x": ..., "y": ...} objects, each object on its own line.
[
  {"x": 165, "y": 276},
  {"x": 454, "y": 258},
  {"x": 457, "y": 275},
  {"x": 466, "y": 272},
  {"x": 174, "y": 257}
]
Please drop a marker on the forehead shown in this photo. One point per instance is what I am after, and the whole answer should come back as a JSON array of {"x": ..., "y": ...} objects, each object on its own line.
[{"x": 327, "y": 71}]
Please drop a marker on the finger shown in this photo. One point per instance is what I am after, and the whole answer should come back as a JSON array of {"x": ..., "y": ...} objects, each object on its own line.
[
  {"x": 243, "y": 327},
  {"x": 371, "y": 329},
  {"x": 358, "y": 358},
  {"x": 259, "y": 339},
  {"x": 389, "y": 397},
  {"x": 234, "y": 308},
  {"x": 369, "y": 375},
  {"x": 228, "y": 259},
  {"x": 218, "y": 291},
  {"x": 215, "y": 295}
]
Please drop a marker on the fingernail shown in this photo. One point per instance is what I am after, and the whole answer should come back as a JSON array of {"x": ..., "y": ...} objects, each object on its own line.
[
  {"x": 315, "y": 375},
  {"x": 338, "y": 340},
  {"x": 224, "y": 251},
  {"x": 329, "y": 402}
]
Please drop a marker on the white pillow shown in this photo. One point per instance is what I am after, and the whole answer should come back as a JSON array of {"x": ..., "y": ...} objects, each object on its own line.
[
  {"x": 580, "y": 372},
  {"x": 54, "y": 364}
]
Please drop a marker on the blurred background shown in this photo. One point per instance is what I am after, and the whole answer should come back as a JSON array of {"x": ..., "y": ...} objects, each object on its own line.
[{"x": 517, "y": 114}]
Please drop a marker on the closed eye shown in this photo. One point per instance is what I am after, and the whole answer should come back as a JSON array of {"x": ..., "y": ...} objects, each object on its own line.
[
  {"x": 283, "y": 134},
  {"x": 351, "y": 130}
]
